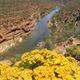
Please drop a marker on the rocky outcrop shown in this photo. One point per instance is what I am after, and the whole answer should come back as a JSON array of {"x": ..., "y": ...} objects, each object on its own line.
[
  {"x": 16, "y": 28},
  {"x": 15, "y": 31}
]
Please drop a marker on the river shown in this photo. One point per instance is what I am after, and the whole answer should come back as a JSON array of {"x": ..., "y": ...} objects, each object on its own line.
[{"x": 41, "y": 30}]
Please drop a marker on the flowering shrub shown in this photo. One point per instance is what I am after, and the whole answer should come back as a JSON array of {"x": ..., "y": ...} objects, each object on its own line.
[
  {"x": 13, "y": 73},
  {"x": 41, "y": 65}
]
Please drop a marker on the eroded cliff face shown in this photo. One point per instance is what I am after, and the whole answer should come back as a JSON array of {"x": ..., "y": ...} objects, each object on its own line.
[
  {"x": 15, "y": 29},
  {"x": 14, "y": 16},
  {"x": 15, "y": 21}
]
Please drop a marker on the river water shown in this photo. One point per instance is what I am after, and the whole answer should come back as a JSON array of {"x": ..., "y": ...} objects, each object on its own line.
[{"x": 41, "y": 30}]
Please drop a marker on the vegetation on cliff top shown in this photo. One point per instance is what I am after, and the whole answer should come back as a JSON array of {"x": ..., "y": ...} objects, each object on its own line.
[{"x": 65, "y": 24}]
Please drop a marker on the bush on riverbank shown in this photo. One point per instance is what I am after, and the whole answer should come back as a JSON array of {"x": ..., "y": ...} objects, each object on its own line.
[
  {"x": 73, "y": 51},
  {"x": 41, "y": 65}
]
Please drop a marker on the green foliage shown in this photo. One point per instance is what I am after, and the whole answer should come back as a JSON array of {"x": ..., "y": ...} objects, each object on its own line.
[
  {"x": 48, "y": 43},
  {"x": 74, "y": 51}
]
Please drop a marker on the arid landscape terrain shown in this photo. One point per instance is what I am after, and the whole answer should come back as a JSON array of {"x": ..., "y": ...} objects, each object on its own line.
[
  {"x": 14, "y": 16},
  {"x": 47, "y": 32},
  {"x": 15, "y": 13}
]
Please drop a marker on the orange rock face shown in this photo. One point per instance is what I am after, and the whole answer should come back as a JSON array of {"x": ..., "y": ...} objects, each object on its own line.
[{"x": 17, "y": 27}]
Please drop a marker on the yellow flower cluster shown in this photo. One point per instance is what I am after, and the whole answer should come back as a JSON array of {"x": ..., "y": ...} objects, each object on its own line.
[
  {"x": 13, "y": 73},
  {"x": 41, "y": 65}
]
